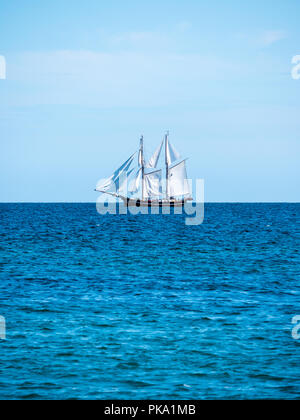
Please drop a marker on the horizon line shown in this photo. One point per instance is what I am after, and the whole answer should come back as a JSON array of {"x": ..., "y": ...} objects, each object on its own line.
[{"x": 95, "y": 202}]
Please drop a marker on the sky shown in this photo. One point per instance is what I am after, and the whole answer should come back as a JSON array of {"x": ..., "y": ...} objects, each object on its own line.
[{"x": 85, "y": 79}]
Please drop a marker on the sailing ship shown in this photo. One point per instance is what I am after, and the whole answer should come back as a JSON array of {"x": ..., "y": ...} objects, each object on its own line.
[{"x": 144, "y": 184}]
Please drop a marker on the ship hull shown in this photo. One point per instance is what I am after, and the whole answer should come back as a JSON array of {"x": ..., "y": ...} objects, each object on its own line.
[{"x": 129, "y": 202}]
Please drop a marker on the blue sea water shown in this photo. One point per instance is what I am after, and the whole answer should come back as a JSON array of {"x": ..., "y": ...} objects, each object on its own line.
[{"x": 145, "y": 307}]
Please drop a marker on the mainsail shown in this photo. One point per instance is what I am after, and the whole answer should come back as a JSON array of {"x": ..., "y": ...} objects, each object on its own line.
[{"x": 178, "y": 183}]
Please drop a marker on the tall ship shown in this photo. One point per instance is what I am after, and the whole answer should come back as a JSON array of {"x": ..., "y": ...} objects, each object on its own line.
[{"x": 144, "y": 184}]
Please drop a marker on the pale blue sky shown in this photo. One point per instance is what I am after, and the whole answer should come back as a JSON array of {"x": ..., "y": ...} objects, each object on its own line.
[{"x": 85, "y": 79}]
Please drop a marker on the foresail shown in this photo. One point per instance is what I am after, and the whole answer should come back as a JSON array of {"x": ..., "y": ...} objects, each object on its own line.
[
  {"x": 113, "y": 182},
  {"x": 122, "y": 183},
  {"x": 155, "y": 157},
  {"x": 135, "y": 183},
  {"x": 178, "y": 183},
  {"x": 104, "y": 185}
]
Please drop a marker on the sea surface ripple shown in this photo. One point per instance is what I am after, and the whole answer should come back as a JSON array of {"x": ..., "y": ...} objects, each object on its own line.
[{"x": 145, "y": 307}]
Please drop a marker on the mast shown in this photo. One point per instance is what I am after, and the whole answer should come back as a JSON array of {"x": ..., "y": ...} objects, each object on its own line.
[
  {"x": 167, "y": 165},
  {"x": 142, "y": 163}
]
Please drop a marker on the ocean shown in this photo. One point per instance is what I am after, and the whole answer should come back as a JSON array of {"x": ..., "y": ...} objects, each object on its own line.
[{"x": 145, "y": 307}]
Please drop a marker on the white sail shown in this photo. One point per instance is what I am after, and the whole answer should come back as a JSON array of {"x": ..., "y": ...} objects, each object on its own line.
[
  {"x": 178, "y": 183},
  {"x": 154, "y": 158},
  {"x": 122, "y": 183},
  {"x": 171, "y": 153},
  {"x": 104, "y": 185},
  {"x": 153, "y": 187},
  {"x": 135, "y": 184},
  {"x": 113, "y": 181}
]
